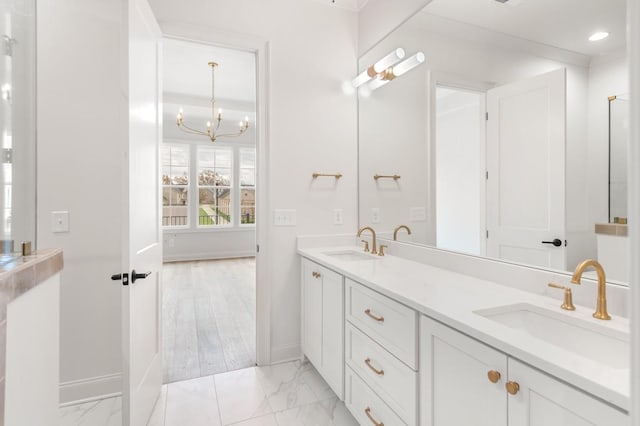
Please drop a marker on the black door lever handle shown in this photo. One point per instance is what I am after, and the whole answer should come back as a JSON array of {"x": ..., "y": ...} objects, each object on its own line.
[
  {"x": 556, "y": 242},
  {"x": 138, "y": 276}
]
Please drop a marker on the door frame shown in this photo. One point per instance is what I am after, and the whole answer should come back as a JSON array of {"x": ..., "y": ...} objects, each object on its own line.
[
  {"x": 260, "y": 47},
  {"x": 453, "y": 81}
]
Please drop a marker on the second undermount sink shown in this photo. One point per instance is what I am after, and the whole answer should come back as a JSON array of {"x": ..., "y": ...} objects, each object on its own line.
[
  {"x": 349, "y": 255},
  {"x": 583, "y": 337}
]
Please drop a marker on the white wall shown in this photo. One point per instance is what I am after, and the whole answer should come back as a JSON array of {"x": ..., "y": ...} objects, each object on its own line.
[
  {"x": 79, "y": 170},
  {"x": 378, "y": 18},
  {"x": 312, "y": 126}
]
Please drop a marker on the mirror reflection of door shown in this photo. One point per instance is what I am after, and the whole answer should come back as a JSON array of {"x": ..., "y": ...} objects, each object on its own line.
[
  {"x": 459, "y": 151},
  {"x": 526, "y": 130}
]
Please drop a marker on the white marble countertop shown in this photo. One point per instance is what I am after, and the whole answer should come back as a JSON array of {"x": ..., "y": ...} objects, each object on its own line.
[{"x": 452, "y": 298}]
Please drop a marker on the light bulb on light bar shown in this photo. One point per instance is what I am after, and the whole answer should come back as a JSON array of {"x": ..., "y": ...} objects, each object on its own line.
[
  {"x": 408, "y": 64},
  {"x": 378, "y": 67}
]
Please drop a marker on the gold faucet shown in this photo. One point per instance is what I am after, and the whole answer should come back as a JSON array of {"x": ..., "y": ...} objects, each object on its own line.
[
  {"x": 373, "y": 237},
  {"x": 601, "y": 302},
  {"x": 395, "y": 231}
]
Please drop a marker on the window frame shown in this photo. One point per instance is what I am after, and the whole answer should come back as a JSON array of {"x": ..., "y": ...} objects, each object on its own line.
[
  {"x": 187, "y": 225},
  {"x": 193, "y": 212}
]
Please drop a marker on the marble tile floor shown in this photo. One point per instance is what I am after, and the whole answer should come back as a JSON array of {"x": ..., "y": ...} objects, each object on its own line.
[{"x": 288, "y": 394}]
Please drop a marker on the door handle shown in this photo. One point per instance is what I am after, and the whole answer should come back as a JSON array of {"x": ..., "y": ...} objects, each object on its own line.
[
  {"x": 556, "y": 242},
  {"x": 138, "y": 276},
  {"x": 124, "y": 277}
]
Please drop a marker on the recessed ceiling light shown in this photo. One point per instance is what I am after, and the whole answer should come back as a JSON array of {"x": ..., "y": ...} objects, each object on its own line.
[{"x": 598, "y": 36}]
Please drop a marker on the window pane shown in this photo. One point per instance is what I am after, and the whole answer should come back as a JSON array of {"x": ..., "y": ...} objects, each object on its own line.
[
  {"x": 247, "y": 177},
  {"x": 175, "y": 209},
  {"x": 214, "y": 206},
  {"x": 179, "y": 175},
  {"x": 210, "y": 177},
  {"x": 247, "y": 205},
  {"x": 248, "y": 158},
  {"x": 179, "y": 155}
]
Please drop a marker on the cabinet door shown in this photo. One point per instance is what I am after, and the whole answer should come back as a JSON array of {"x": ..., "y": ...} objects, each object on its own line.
[
  {"x": 333, "y": 330},
  {"x": 455, "y": 389},
  {"x": 545, "y": 401},
  {"x": 312, "y": 312}
]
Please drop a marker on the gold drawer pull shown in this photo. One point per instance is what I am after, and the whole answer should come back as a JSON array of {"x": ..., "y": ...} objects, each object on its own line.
[
  {"x": 375, "y": 370},
  {"x": 512, "y": 387},
  {"x": 494, "y": 376},
  {"x": 367, "y": 411},
  {"x": 316, "y": 274},
  {"x": 368, "y": 312}
]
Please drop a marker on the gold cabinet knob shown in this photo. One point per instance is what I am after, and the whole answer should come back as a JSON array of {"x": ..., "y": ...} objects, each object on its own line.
[
  {"x": 375, "y": 317},
  {"x": 494, "y": 376},
  {"x": 512, "y": 387},
  {"x": 316, "y": 274}
]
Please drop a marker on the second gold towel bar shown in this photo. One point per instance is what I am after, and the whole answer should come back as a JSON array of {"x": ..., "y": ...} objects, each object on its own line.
[{"x": 335, "y": 175}]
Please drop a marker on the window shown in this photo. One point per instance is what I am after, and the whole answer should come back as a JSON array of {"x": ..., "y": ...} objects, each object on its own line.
[
  {"x": 175, "y": 185},
  {"x": 224, "y": 179},
  {"x": 247, "y": 186},
  {"x": 215, "y": 184}
]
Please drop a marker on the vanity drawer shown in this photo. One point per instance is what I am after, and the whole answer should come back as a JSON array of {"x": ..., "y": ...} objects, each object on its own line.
[
  {"x": 389, "y": 323},
  {"x": 391, "y": 379},
  {"x": 365, "y": 405}
]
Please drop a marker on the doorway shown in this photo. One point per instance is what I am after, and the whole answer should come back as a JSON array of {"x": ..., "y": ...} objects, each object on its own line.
[
  {"x": 209, "y": 210},
  {"x": 460, "y": 159}
]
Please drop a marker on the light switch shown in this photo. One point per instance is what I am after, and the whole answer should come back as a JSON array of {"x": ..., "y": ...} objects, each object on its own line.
[
  {"x": 60, "y": 221},
  {"x": 375, "y": 215},
  {"x": 417, "y": 214},
  {"x": 337, "y": 217}
]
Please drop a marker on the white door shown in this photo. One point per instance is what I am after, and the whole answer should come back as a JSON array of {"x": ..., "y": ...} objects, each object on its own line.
[
  {"x": 141, "y": 299},
  {"x": 526, "y": 171},
  {"x": 543, "y": 401}
]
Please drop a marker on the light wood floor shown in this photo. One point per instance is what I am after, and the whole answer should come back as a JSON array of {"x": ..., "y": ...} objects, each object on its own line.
[{"x": 209, "y": 317}]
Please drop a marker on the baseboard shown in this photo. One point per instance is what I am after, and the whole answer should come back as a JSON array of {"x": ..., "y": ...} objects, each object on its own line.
[
  {"x": 90, "y": 389},
  {"x": 285, "y": 353},
  {"x": 207, "y": 256}
]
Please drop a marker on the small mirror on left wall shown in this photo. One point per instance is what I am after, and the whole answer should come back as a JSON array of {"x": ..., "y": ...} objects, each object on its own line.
[{"x": 17, "y": 124}]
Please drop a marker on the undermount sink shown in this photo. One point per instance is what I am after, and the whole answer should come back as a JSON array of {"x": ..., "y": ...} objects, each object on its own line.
[
  {"x": 582, "y": 337},
  {"x": 350, "y": 255}
]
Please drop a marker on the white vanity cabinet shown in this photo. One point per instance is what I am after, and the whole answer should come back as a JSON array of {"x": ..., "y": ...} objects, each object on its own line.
[
  {"x": 323, "y": 322},
  {"x": 463, "y": 382},
  {"x": 381, "y": 356}
]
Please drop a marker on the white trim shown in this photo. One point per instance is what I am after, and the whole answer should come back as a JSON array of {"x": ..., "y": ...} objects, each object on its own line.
[
  {"x": 208, "y": 256},
  {"x": 633, "y": 49},
  {"x": 286, "y": 353},
  {"x": 90, "y": 389},
  {"x": 260, "y": 47}
]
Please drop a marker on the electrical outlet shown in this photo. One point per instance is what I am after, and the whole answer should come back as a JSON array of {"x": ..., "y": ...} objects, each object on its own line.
[
  {"x": 284, "y": 217},
  {"x": 337, "y": 216},
  {"x": 60, "y": 221},
  {"x": 375, "y": 215}
]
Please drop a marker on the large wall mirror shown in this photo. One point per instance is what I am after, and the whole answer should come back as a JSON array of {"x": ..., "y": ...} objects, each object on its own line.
[{"x": 497, "y": 145}]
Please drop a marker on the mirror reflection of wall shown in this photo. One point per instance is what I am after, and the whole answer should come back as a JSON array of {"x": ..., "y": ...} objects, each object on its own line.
[
  {"x": 618, "y": 156},
  {"x": 479, "y": 47},
  {"x": 17, "y": 124}
]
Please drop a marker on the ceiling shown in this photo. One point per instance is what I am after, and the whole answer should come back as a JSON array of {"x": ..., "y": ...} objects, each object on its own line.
[
  {"x": 186, "y": 73},
  {"x": 566, "y": 24}
]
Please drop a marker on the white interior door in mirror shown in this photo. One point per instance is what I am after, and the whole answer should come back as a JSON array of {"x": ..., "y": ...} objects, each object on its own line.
[{"x": 526, "y": 170}]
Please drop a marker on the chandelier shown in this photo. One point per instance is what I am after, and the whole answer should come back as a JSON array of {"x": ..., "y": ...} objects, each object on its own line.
[{"x": 211, "y": 127}]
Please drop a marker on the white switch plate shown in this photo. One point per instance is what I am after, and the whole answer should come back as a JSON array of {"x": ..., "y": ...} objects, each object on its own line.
[
  {"x": 60, "y": 221},
  {"x": 375, "y": 215},
  {"x": 337, "y": 216},
  {"x": 417, "y": 214},
  {"x": 283, "y": 217}
]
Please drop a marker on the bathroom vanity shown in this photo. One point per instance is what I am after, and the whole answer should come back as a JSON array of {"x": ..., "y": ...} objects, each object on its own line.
[
  {"x": 407, "y": 343},
  {"x": 30, "y": 338}
]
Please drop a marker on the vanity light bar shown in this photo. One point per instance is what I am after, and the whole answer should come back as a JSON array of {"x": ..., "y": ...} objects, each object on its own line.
[
  {"x": 384, "y": 63},
  {"x": 396, "y": 71}
]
